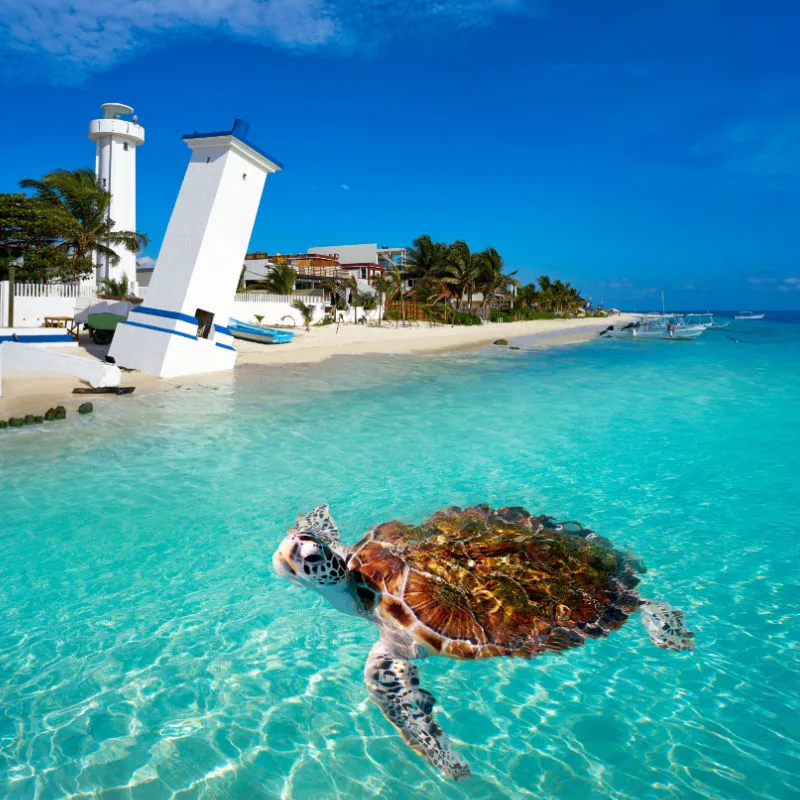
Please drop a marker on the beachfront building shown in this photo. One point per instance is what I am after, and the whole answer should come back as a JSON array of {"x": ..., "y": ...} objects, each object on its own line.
[
  {"x": 117, "y": 135},
  {"x": 365, "y": 260}
]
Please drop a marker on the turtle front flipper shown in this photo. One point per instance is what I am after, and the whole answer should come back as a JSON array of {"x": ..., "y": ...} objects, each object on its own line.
[
  {"x": 666, "y": 626},
  {"x": 393, "y": 683}
]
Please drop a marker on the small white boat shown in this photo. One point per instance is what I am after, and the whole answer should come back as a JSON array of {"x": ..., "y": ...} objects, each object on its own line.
[
  {"x": 656, "y": 326},
  {"x": 706, "y": 319},
  {"x": 748, "y": 315}
]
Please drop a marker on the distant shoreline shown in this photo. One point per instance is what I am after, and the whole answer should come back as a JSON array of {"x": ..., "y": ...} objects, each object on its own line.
[{"x": 27, "y": 392}]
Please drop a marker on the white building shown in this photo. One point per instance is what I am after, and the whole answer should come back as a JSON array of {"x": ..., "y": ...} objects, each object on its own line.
[{"x": 115, "y": 165}]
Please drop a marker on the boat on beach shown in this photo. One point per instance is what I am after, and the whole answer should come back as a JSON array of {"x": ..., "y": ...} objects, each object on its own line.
[
  {"x": 656, "y": 326},
  {"x": 256, "y": 333},
  {"x": 744, "y": 315}
]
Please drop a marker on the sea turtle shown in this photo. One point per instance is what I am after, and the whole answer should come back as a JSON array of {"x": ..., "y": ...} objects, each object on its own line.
[{"x": 469, "y": 583}]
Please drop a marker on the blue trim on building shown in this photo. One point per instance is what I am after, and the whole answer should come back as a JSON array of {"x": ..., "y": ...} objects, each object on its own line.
[
  {"x": 160, "y": 312},
  {"x": 160, "y": 330},
  {"x": 23, "y": 338},
  {"x": 239, "y": 131},
  {"x": 225, "y": 346},
  {"x": 223, "y": 329}
]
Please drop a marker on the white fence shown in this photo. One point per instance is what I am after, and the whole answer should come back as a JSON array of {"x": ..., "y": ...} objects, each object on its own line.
[
  {"x": 276, "y": 309},
  {"x": 70, "y": 290},
  {"x": 34, "y": 301}
]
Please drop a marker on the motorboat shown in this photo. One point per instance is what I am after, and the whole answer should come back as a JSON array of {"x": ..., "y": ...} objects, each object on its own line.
[
  {"x": 656, "y": 326},
  {"x": 257, "y": 333},
  {"x": 742, "y": 315},
  {"x": 706, "y": 320}
]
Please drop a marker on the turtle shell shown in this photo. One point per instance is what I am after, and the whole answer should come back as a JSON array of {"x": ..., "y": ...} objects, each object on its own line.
[{"x": 480, "y": 582}]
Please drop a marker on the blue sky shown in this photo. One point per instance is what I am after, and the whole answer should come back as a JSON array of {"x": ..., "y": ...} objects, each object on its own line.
[{"x": 627, "y": 146}]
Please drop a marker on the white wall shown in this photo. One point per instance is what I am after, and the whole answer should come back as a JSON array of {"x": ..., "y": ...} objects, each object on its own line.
[
  {"x": 275, "y": 308},
  {"x": 34, "y": 302}
]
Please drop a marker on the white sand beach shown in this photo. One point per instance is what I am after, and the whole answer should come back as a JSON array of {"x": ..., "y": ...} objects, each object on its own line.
[{"x": 34, "y": 393}]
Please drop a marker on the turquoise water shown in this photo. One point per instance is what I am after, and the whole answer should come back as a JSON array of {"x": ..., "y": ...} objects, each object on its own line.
[{"x": 148, "y": 651}]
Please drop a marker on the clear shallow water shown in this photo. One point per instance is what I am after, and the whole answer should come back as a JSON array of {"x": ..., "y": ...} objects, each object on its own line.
[{"x": 148, "y": 651}]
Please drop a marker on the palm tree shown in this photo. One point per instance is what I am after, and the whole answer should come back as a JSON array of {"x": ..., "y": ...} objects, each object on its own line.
[
  {"x": 336, "y": 286},
  {"x": 120, "y": 288},
  {"x": 350, "y": 285},
  {"x": 462, "y": 270},
  {"x": 80, "y": 207},
  {"x": 382, "y": 286},
  {"x": 306, "y": 312},
  {"x": 396, "y": 289},
  {"x": 425, "y": 257},
  {"x": 279, "y": 280}
]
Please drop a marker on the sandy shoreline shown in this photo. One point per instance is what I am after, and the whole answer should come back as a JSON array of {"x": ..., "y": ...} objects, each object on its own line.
[{"x": 34, "y": 393}]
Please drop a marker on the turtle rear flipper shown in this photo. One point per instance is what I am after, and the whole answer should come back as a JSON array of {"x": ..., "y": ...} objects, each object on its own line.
[
  {"x": 666, "y": 626},
  {"x": 393, "y": 683}
]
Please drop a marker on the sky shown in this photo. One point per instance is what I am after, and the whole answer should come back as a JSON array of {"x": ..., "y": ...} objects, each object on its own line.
[{"x": 628, "y": 146}]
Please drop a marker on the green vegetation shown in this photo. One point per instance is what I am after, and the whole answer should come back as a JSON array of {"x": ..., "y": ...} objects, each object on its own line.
[
  {"x": 59, "y": 229},
  {"x": 85, "y": 408},
  {"x": 445, "y": 279},
  {"x": 306, "y": 312},
  {"x": 280, "y": 280}
]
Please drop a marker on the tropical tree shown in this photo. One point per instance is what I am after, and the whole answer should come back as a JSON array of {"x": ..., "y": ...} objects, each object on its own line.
[
  {"x": 29, "y": 230},
  {"x": 306, "y": 312},
  {"x": 79, "y": 207},
  {"x": 279, "y": 280},
  {"x": 382, "y": 286},
  {"x": 114, "y": 288},
  {"x": 462, "y": 270},
  {"x": 337, "y": 287},
  {"x": 425, "y": 258},
  {"x": 397, "y": 290}
]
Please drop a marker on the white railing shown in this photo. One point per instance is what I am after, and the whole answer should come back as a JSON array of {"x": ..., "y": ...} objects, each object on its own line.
[
  {"x": 268, "y": 297},
  {"x": 70, "y": 290}
]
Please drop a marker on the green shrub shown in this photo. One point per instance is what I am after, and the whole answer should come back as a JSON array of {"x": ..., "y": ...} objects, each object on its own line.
[
  {"x": 28, "y": 419},
  {"x": 61, "y": 412},
  {"x": 465, "y": 318},
  {"x": 85, "y": 408},
  {"x": 3, "y": 423},
  {"x": 16, "y": 422},
  {"x": 501, "y": 315},
  {"x": 50, "y": 414},
  {"x": 38, "y": 419}
]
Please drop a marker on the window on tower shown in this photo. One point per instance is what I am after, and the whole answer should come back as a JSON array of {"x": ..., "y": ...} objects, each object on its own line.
[
  {"x": 124, "y": 145},
  {"x": 205, "y": 323}
]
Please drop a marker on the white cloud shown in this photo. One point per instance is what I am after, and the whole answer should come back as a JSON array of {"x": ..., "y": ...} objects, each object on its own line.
[
  {"x": 85, "y": 36},
  {"x": 145, "y": 261},
  {"x": 759, "y": 281},
  {"x": 794, "y": 281},
  {"x": 345, "y": 187}
]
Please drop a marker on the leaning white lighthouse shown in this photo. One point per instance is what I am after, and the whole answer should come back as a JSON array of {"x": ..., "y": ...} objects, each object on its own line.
[{"x": 118, "y": 134}]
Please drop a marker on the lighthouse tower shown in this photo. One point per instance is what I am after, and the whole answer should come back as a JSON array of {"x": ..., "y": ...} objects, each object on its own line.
[
  {"x": 183, "y": 329},
  {"x": 118, "y": 134}
]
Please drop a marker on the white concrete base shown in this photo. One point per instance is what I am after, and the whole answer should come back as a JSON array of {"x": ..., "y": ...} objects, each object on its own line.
[
  {"x": 167, "y": 354},
  {"x": 16, "y": 357}
]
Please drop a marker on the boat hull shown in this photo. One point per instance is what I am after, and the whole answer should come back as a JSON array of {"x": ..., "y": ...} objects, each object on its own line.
[{"x": 255, "y": 333}]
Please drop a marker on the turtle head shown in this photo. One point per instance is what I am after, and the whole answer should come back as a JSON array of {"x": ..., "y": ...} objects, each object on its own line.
[
  {"x": 307, "y": 560},
  {"x": 311, "y": 556}
]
